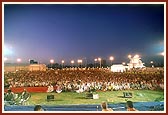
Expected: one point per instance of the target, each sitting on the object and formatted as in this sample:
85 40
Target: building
118 68
25 67
37 67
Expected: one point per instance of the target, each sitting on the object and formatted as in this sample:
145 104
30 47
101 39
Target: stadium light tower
111 59
100 61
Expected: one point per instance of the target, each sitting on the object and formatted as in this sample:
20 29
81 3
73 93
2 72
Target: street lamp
63 63
72 62
152 63
111 59
51 62
18 61
95 61
79 61
100 61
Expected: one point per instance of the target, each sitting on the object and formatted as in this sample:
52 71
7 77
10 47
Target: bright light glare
51 61
111 58
18 60
8 50
95 59
99 59
5 59
162 54
72 61
129 56
79 61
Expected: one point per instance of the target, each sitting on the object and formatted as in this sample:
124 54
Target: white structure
37 67
118 68
135 62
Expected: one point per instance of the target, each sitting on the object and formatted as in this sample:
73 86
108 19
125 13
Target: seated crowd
81 80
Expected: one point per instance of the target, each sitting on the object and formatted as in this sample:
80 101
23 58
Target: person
38 108
50 88
9 97
130 107
104 107
24 97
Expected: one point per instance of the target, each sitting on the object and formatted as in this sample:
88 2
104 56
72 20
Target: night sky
44 32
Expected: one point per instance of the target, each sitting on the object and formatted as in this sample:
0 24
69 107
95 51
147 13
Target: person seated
24 97
130 107
50 88
58 89
9 97
104 107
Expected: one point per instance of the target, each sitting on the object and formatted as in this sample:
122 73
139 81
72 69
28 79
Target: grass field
67 98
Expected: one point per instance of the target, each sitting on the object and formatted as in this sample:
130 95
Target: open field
68 98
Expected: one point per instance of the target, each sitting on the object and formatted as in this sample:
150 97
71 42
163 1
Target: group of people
104 107
129 106
85 79
11 98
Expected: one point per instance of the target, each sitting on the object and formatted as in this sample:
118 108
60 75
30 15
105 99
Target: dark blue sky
42 32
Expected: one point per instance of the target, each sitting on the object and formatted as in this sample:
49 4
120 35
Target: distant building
37 67
33 62
26 67
118 68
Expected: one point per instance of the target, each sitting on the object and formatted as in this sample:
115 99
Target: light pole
100 61
72 62
18 61
79 62
95 61
63 63
111 59
152 64
51 62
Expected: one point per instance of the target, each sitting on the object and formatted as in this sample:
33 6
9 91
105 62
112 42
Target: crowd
87 79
